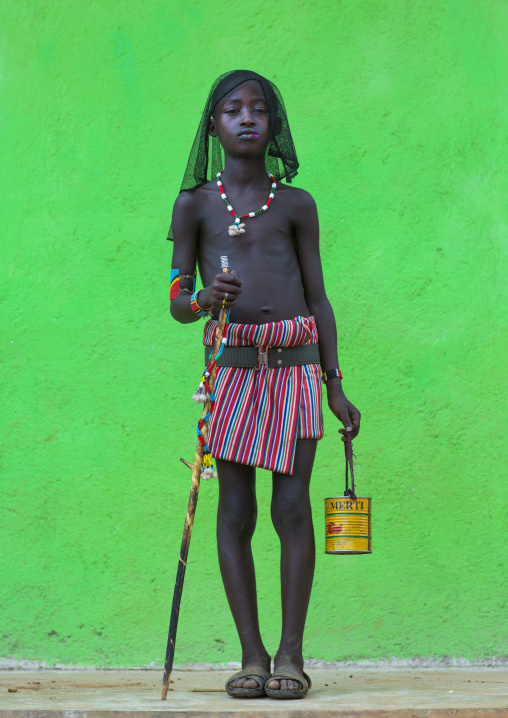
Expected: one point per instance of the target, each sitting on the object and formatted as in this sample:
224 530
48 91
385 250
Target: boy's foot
248 683
288 682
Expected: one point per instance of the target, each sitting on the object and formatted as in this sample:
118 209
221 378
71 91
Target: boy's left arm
306 227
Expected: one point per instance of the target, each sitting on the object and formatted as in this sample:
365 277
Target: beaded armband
196 308
174 286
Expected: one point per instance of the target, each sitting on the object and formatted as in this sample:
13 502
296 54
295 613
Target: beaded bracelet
197 309
331 374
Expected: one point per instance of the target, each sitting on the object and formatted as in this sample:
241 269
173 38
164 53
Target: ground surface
355 692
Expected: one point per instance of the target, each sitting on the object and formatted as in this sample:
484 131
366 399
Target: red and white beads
238 226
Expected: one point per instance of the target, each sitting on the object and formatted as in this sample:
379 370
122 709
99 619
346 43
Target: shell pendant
236 229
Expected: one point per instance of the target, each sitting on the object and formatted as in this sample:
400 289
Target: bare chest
268 239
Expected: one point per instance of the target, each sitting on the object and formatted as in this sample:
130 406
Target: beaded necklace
238 228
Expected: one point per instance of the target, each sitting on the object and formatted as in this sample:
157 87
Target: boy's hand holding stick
193 499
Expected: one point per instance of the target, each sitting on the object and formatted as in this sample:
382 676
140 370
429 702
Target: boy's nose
247 119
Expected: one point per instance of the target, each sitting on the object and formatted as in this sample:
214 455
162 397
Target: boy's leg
292 519
236 521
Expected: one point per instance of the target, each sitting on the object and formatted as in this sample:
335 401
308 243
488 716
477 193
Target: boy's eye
232 110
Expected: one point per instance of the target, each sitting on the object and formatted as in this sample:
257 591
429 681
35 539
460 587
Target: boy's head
264 110
241 121
236 80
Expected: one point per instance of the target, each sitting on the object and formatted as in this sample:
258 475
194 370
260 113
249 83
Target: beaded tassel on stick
200 396
205 392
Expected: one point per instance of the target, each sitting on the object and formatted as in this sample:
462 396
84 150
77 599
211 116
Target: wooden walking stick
191 510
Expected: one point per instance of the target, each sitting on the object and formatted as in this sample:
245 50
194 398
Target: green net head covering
206 158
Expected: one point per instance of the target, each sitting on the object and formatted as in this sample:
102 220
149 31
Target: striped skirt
260 413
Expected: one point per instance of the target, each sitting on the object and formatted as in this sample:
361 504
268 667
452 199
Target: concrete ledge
348 693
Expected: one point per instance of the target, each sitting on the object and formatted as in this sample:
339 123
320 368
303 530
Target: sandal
258 674
292 674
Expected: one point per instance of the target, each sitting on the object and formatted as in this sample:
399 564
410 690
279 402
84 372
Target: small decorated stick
191 509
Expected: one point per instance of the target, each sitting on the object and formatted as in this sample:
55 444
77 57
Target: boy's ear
212 127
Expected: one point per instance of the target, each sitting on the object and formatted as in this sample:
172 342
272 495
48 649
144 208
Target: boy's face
240 121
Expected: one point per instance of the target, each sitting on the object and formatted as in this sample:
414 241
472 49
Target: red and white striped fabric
260 413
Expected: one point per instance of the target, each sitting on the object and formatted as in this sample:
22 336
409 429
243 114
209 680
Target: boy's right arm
186 224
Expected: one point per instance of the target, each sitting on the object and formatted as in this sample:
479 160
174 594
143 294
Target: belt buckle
262 357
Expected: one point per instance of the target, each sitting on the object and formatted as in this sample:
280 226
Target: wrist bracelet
204 309
331 374
197 309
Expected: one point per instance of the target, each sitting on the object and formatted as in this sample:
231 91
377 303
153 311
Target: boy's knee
237 519
291 512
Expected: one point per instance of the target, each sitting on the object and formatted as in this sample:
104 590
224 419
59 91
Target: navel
266 310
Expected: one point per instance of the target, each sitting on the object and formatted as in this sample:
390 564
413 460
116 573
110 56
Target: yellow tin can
348 525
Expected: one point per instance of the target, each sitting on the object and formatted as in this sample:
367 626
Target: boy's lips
247 133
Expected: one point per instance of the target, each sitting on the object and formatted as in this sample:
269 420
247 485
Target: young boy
268 395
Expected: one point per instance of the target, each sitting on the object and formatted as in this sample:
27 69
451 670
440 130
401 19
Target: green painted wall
399 112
